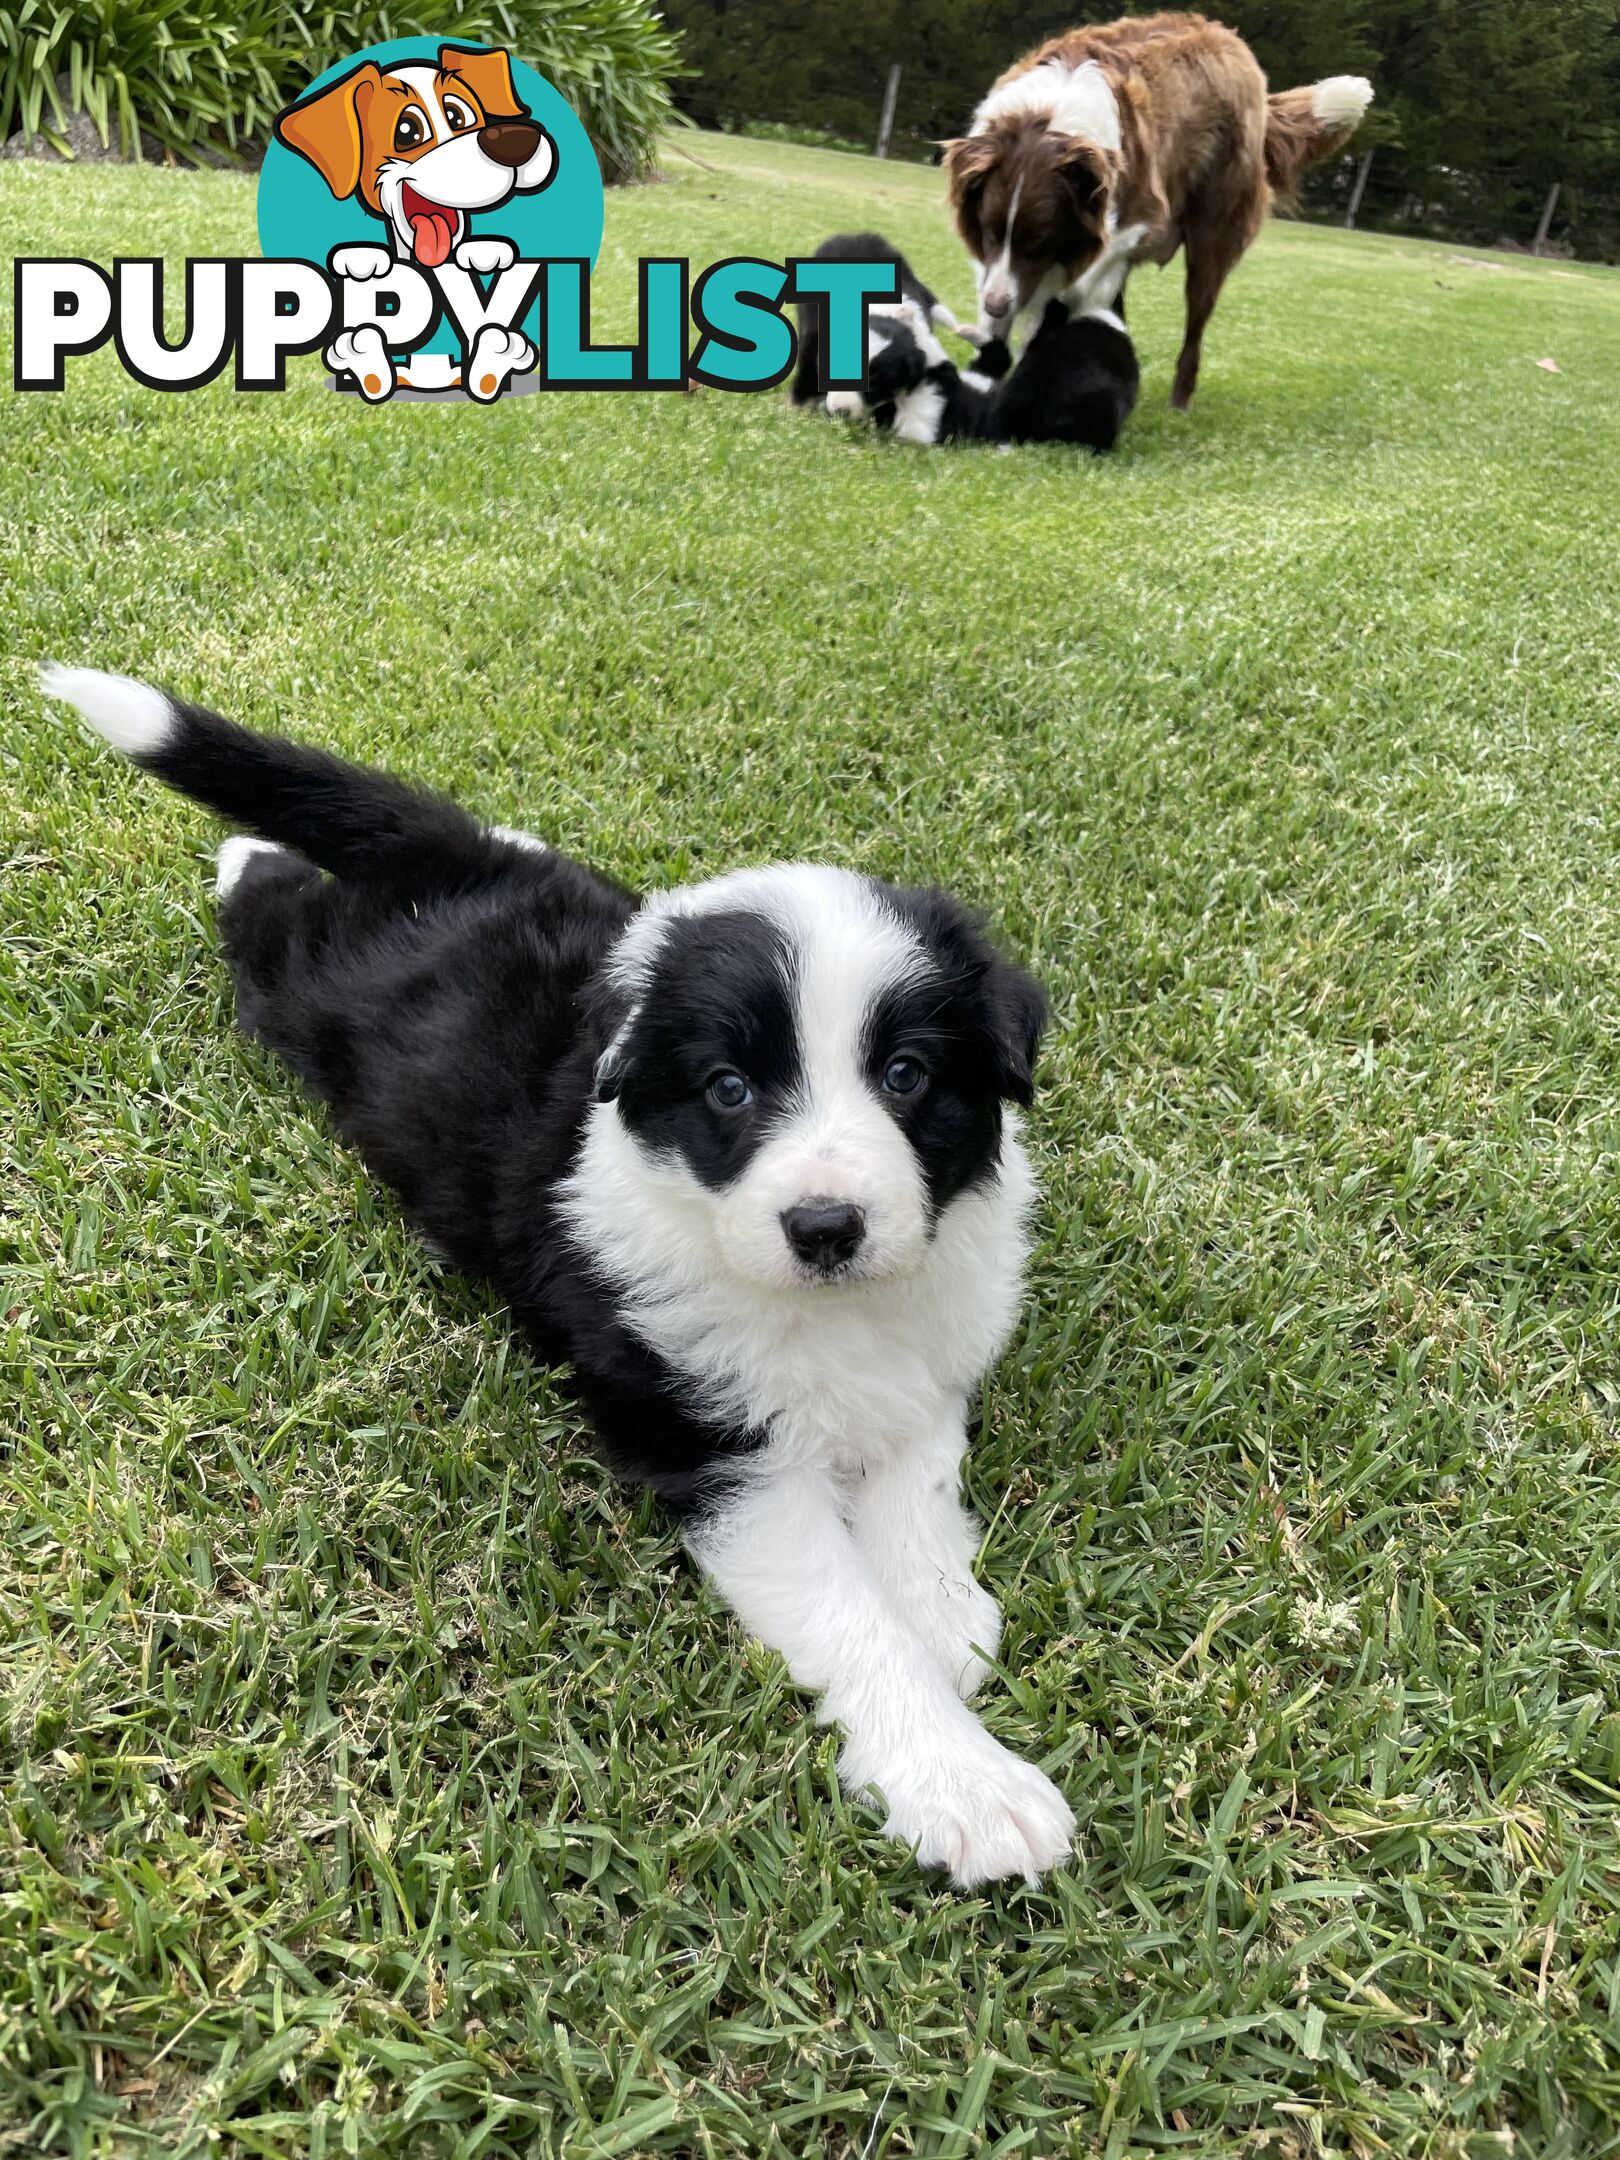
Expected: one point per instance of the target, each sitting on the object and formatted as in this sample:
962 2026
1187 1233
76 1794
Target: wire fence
1479 209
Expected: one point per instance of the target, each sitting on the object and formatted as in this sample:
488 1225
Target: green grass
379 1780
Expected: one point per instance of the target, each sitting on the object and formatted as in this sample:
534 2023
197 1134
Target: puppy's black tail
355 823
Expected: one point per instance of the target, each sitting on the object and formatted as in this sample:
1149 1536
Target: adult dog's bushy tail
355 823
1306 125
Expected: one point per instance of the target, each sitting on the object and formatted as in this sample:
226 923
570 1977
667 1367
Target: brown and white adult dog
1119 144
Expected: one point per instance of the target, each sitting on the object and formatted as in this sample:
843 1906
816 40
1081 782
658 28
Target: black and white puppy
809 385
743 1152
1076 381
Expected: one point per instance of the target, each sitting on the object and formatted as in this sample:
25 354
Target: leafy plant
205 78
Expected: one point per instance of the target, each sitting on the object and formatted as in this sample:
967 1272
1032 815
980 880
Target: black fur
1076 381
722 1002
809 378
975 1022
443 991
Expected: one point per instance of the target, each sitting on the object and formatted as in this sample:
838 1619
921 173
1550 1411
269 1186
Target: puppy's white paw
361 261
362 354
846 405
485 255
496 355
959 1621
970 1807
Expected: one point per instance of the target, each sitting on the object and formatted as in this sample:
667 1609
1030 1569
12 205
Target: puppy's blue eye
903 1076
729 1091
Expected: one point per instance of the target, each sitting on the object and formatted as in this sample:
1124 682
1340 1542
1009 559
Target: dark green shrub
201 77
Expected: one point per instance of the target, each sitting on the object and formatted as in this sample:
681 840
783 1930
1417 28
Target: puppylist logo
430 214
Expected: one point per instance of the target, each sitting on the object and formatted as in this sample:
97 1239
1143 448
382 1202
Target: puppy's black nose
509 142
824 1233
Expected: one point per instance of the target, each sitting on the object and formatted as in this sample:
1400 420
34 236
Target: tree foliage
1482 104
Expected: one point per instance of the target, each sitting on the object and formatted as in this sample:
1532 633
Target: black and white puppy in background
809 385
743 1152
1076 381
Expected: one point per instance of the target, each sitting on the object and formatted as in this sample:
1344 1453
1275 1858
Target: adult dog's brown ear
488 75
1088 172
326 128
968 162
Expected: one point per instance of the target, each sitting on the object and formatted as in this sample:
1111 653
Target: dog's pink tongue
432 231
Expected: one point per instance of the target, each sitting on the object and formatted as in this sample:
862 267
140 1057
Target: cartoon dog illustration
423 148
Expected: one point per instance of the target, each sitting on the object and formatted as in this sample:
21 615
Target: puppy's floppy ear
1017 1015
325 129
488 75
609 1016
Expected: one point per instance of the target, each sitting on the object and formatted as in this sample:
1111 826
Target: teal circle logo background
300 216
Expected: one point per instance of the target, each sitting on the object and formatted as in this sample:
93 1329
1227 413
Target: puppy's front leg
781 1553
920 1542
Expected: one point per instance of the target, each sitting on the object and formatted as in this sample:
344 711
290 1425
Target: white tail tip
234 856
132 716
1340 100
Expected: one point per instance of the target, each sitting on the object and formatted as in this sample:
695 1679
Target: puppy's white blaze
837 1142
1340 100
131 715
234 856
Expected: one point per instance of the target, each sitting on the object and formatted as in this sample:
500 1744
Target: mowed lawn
377 1779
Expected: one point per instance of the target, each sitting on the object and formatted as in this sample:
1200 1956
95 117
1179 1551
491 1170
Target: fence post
886 124
1356 192
1547 209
